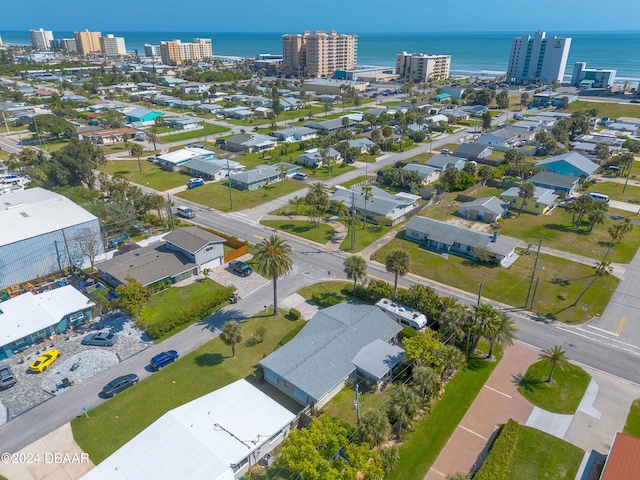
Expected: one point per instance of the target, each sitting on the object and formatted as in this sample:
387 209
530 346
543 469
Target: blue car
163 359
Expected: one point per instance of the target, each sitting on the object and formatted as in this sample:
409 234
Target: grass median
151 175
208 368
303 228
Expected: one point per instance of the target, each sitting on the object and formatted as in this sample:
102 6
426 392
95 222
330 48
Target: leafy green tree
456 325
555 357
74 164
526 191
112 119
597 215
48 123
422 347
273 259
502 99
486 120
318 199
403 406
499 329
297 201
448 360
375 427
619 230
154 139
602 152
524 99
427 381
133 295
230 334
356 268
398 263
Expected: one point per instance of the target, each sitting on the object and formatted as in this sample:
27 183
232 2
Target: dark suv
240 267
114 387
163 359
7 378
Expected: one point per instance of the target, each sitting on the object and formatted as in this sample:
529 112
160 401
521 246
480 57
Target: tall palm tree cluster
317 198
594 210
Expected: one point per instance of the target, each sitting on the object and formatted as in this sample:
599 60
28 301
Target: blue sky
345 16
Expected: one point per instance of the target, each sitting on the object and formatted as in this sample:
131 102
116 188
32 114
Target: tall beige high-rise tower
318 54
176 52
88 42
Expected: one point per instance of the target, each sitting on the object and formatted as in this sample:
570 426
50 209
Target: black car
7 378
101 339
350 160
240 267
114 387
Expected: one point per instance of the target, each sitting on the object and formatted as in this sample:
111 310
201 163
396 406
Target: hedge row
190 313
496 465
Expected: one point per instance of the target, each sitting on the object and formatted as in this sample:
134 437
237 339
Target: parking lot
77 363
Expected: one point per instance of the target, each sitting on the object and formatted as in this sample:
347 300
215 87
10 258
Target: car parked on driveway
43 362
163 359
240 268
116 386
101 339
7 378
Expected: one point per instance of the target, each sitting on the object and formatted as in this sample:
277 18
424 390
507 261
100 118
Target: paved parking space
244 285
35 388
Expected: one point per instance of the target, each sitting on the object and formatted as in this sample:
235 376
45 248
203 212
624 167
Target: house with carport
485 209
473 151
313 158
542 202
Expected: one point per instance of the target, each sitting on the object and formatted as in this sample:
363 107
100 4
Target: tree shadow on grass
561 282
568 228
529 382
209 359
476 362
122 172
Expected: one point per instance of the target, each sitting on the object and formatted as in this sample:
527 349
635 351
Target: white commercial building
41 39
584 77
538 58
422 67
113 46
151 50
215 437
42 232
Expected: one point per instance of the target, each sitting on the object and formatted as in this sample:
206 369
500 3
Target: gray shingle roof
203 166
321 355
492 204
192 239
467 150
554 179
441 161
423 170
378 358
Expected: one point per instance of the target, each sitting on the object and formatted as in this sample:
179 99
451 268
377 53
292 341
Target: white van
599 196
186 212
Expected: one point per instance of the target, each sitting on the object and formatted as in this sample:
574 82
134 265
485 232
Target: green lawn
429 436
560 235
540 456
169 302
614 190
364 238
216 195
200 133
451 146
115 148
422 158
561 281
487 192
151 175
611 110
356 180
316 233
632 425
336 289
322 173
341 405
562 395
444 209
210 367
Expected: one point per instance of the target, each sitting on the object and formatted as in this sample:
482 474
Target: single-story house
491 139
557 182
111 136
485 209
294 134
331 126
572 164
472 151
427 174
183 123
174 160
623 460
169 81
182 253
212 168
542 201
589 150
475 110
250 143
193 87
218 436
143 115
313 157
595 138
395 208
456 113
448 238
445 162
262 175
512 134
262 111
30 317
363 144
314 365
290 103
442 97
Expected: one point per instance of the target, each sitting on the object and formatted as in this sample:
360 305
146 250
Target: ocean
477 54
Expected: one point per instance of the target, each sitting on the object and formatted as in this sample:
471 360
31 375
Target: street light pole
229 181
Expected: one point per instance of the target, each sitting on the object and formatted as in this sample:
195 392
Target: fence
241 248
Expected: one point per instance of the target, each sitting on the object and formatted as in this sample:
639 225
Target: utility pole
358 409
229 181
535 289
480 294
628 174
170 211
353 220
4 120
535 265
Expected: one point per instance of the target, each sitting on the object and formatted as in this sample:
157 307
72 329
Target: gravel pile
86 363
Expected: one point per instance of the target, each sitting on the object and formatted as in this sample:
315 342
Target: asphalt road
9 145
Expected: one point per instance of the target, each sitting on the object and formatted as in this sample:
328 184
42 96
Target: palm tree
356 268
427 381
375 427
125 139
340 208
403 405
273 258
454 324
398 263
154 139
230 334
500 330
316 198
367 193
137 151
526 190
556 358
596 217
449 360
297 201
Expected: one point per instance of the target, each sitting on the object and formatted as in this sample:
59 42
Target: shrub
325 300
294 314
496 465
407 332
190 313
374 291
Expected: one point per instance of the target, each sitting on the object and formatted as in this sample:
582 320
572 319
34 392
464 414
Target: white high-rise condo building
41 39
538 58
318 54
113 46
422 68
151 50
584 77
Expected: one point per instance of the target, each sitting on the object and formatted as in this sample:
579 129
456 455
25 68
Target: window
456 245
208 249
271 375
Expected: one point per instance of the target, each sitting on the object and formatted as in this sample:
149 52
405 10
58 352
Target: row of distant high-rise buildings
84 43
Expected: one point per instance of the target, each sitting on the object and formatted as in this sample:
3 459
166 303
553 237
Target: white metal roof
201 439
36 211
184 154
28 313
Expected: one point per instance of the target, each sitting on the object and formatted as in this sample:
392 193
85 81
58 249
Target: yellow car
43 361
